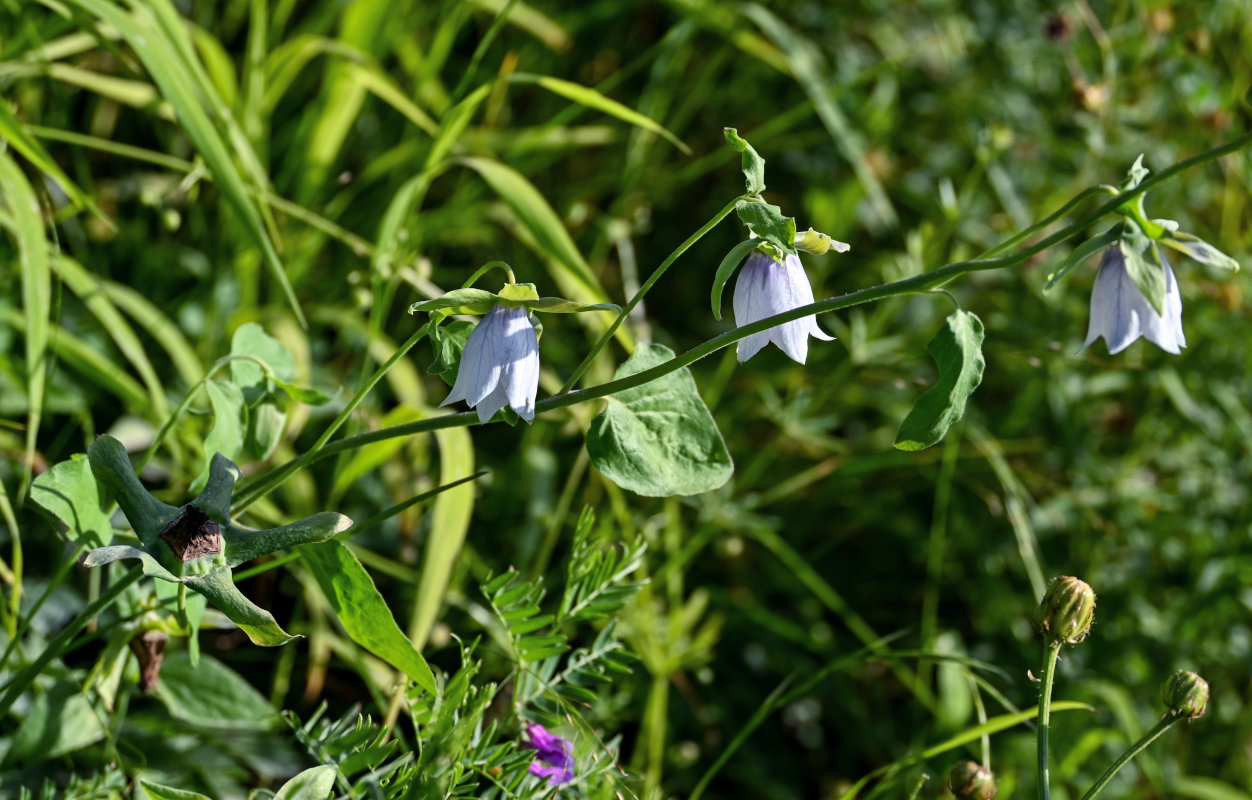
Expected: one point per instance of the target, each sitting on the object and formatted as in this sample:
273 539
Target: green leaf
451 517
753 164
70 492
253 620
957 350
769 224
362 610
159 791
584 95
59 721
212 695
303 394
658 439
36 281
727 268
1081 253
1143 264
315 783
15 133
250 339
229 422
1197 249
266 423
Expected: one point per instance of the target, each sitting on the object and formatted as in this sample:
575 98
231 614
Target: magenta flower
554 759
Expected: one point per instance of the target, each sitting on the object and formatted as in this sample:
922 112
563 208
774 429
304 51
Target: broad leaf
659 439
362 610
768 223
71 493
266 423
251 340
315 783
753 164
159 791
212 695
229 420
957 350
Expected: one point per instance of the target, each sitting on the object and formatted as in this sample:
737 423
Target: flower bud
1066 611
1186 694
970 780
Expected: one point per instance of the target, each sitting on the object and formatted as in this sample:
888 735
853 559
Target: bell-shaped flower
766 287
1121 314
500 365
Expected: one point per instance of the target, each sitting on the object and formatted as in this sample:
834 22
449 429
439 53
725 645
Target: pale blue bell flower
1121 314
500 365
766 287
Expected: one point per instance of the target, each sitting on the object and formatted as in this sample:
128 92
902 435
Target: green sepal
1143 264
1081 253
517 295
208 573
727 268
1197 249
819 244
253 620
753 164
448 342
769 224
111 465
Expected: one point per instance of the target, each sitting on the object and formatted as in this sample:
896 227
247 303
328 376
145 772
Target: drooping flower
766 287
554 758
500 365
1121 314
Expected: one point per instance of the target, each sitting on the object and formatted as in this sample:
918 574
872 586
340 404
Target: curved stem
911 285
652 279
1165 723
1045 713
254 490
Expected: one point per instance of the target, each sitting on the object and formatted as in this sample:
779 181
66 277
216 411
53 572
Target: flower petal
520 376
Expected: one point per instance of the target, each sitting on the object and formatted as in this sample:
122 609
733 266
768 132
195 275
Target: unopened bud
1066 611
970 780
1186 695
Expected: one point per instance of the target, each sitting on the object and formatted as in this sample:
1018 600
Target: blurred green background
922 133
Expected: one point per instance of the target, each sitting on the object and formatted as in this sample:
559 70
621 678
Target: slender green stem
254 490
1165 723
1045 714
58 645
912 285
15 590
647 285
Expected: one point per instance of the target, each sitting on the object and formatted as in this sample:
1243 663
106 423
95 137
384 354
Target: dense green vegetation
183 181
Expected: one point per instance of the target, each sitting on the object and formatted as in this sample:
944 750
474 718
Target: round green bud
970 780
1186 695
1066 611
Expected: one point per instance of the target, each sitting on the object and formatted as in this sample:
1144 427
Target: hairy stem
1165 723
1045 713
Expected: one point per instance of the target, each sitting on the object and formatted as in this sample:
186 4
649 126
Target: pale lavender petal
1121 314
479 372
520 379
765 288
489 405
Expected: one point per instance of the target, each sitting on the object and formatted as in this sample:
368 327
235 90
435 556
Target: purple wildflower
553 757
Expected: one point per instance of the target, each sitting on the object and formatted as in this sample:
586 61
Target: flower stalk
1052 651
1163 724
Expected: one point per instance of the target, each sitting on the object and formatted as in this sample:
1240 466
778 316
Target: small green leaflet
448 342
753 164
768 223
1143 264
480 301
251 340
659 439
70 492
957 350
727 268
